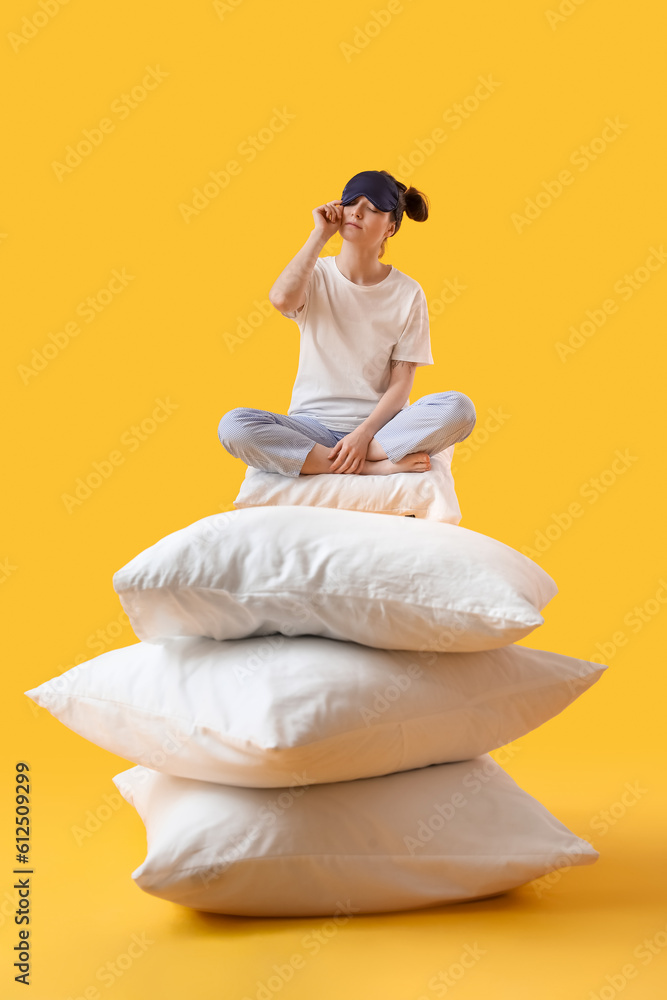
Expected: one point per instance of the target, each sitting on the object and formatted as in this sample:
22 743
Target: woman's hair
414 203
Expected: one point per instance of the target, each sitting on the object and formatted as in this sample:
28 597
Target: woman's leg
271 441
431 424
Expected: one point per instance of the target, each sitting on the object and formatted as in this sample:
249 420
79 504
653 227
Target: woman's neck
361 265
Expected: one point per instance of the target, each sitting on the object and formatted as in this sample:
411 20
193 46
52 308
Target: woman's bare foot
418 461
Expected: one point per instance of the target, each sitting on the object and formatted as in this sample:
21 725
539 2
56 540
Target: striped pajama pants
276 442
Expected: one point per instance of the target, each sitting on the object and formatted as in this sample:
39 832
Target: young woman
363 331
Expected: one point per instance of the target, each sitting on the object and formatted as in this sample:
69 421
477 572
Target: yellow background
360 99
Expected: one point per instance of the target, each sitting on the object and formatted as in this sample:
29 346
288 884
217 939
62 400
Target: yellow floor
569 935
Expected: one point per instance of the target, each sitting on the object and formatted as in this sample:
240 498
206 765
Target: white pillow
439 834
260 712
430 495
386 582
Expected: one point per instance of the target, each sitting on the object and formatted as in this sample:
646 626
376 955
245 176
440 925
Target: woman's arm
288 290
397 394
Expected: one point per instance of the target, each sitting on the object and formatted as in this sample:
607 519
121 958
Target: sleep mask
381 190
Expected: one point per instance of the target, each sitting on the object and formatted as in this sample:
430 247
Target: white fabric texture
258 712
419 838
386 582
348 335
429 495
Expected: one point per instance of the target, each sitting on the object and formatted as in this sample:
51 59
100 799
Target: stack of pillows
311 709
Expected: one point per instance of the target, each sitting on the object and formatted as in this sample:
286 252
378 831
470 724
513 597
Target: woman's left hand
350 452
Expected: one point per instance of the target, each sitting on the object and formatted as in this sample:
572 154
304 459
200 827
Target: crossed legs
299 445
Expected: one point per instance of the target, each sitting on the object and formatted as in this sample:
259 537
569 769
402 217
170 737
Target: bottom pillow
438 834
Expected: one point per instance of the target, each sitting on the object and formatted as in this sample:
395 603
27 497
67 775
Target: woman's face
363 223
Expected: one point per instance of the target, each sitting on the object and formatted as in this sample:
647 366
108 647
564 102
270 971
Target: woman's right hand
327 218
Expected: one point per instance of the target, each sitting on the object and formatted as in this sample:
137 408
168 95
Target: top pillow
429 495
386 582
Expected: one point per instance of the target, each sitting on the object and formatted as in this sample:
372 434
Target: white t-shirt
349 334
